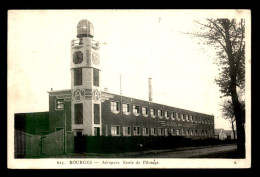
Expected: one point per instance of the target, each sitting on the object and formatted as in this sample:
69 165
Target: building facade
86 110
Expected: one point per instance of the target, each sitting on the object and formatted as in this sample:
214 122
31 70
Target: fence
35 146
26 145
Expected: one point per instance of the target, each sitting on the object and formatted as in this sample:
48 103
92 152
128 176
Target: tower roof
85 29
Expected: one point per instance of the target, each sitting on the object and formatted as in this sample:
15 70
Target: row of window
136 130
115 108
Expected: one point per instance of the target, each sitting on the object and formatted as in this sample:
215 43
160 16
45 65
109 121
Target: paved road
206 152
220 151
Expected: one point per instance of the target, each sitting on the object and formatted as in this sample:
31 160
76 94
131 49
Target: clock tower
85 82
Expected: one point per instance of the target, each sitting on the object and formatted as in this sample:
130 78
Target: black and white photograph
129 89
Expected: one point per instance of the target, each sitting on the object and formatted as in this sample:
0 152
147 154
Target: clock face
77 57
77 94
95 58
96 95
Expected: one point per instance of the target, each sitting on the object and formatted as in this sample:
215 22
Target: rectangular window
96 114
172 131
167 114
136 131
188 132
59 104
114 106
115 130
182 117
153 112
177 116
153 131
145 111
136 110
78 112
126 131
126 108
160 131
187 118
166 132
145 131
177 132
191 132
77 76
191 118
160 113
173 116
96 77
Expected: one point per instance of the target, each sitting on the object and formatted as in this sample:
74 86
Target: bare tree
227 36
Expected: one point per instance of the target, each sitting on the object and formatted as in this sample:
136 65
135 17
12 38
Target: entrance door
97 131
80 144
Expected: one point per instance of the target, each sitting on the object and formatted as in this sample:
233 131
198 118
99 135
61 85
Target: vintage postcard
129 89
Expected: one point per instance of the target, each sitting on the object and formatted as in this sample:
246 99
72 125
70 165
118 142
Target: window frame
153 131
96 76
116 130
154 112
187 117
145 133
166 114
78 82
146 112
56 104
160 131
127 107
134 108
160 115
135 132
114 110
126 132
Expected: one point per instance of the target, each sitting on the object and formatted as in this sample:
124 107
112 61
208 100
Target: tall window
177 116
153 114
136 110
173 116
115 130
191 118
172 131
166 131
145 111
136 131
160 131
126 108
187 118
145 131
167 114
78 111
96 114
160 113
126 131
59 104
182 117
177 132
114 106
77 76
153 131
96 77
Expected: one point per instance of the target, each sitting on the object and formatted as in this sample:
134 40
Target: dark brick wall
57 117
109 118
36 123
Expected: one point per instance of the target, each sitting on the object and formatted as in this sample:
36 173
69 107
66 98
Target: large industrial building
85 109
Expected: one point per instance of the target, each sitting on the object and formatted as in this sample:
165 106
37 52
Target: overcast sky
139 44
